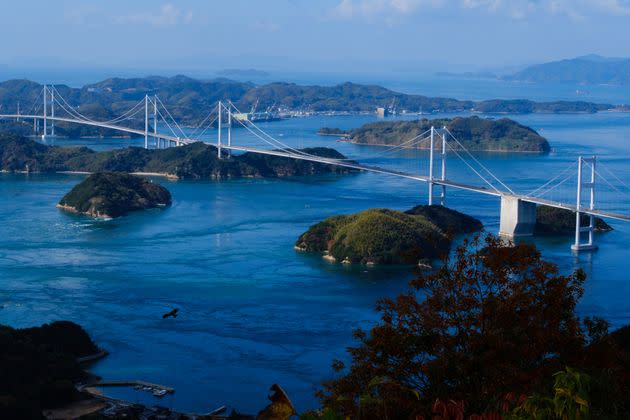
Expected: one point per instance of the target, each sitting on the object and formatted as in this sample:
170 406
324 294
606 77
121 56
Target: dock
168 390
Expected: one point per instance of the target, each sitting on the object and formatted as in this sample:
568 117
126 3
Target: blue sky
352 36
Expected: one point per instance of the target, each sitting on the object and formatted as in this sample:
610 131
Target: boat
159 393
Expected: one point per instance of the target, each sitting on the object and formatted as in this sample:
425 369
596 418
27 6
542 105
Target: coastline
159 174
341 140
71 209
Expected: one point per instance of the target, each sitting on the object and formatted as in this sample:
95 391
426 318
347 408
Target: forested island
193 161
474 133
383 236
113 194
552 221
190 100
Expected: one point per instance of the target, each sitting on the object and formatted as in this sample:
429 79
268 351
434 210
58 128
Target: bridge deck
343 163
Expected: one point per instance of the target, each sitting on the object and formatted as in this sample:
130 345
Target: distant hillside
474 133
591 69
190 100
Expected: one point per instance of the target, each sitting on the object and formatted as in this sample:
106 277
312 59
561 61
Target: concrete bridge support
518 217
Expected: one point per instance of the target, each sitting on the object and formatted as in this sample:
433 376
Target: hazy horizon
364 38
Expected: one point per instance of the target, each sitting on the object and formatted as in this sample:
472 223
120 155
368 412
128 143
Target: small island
383 236
111 194
552 221
474 133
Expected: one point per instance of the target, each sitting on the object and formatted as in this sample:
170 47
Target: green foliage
555 221
570 400
473 132
448 220
383 236
113 194
388 237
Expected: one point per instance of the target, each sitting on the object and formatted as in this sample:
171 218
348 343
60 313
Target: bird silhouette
172 313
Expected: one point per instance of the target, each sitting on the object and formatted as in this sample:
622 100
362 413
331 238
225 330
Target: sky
201 37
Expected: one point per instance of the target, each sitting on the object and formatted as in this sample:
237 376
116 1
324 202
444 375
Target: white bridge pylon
150 112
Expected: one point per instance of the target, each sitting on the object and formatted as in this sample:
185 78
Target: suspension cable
605 167
171 116
73 112
278 142
479 163
552 180
473 169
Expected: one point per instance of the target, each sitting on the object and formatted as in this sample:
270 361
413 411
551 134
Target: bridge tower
590 187
443 163
146 121
229 127
443 177
431 150
52 112
45 112
155 121
219 110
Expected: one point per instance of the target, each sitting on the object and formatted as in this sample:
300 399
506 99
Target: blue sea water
252 310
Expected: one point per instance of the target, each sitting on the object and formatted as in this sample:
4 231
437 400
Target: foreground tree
495 320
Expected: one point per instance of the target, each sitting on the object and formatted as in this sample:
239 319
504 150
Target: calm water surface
252 310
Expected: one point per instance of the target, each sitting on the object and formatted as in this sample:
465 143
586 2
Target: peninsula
383 236
40 367
113 194
474 133
193 161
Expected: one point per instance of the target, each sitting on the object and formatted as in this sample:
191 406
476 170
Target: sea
252 310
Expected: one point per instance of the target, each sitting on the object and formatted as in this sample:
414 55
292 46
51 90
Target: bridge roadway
342 163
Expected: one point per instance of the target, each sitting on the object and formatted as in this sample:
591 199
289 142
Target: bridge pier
518 217
589 245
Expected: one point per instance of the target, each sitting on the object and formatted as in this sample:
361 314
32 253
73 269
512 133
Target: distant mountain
190 100
589 69
467 75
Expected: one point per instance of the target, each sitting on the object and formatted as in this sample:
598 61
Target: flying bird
172 313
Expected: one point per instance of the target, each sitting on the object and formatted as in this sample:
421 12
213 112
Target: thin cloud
575 10
168 15
347 9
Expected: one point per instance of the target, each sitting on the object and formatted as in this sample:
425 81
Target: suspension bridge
579 188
